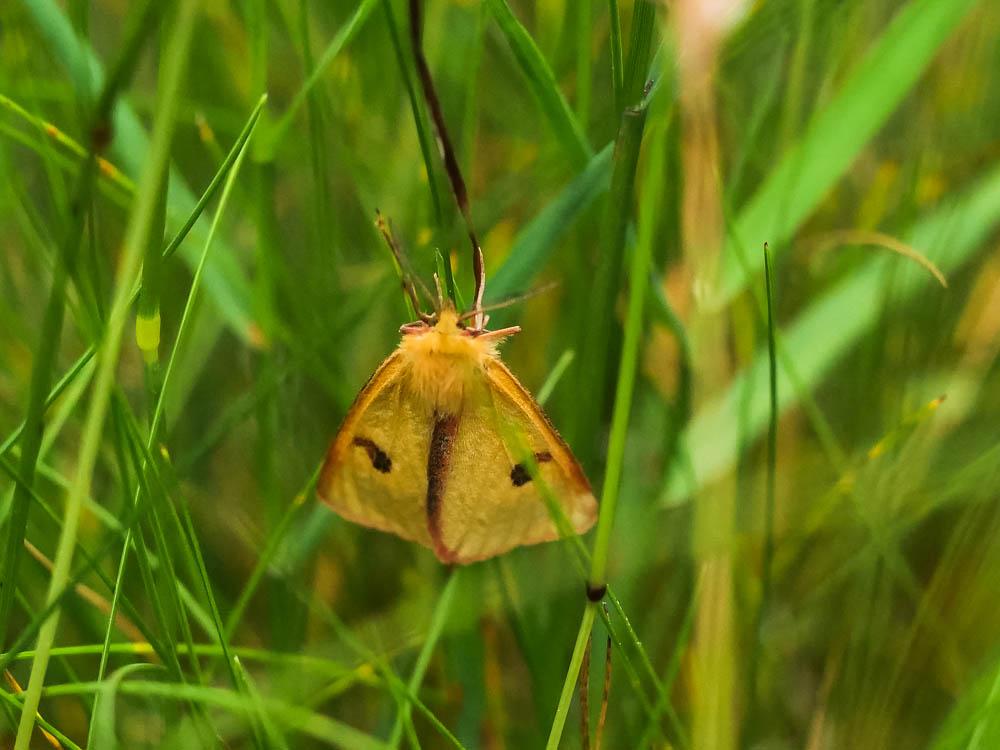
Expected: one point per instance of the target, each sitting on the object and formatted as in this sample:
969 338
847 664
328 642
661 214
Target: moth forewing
373 474
492 502
525 457
575 508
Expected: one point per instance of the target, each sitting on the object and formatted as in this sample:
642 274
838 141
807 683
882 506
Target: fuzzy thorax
445 361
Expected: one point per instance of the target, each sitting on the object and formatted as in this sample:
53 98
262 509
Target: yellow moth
422 452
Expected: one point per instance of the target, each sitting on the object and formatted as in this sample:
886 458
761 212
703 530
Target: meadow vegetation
799 471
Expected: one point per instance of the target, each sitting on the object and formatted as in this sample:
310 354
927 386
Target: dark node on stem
101 135
596 592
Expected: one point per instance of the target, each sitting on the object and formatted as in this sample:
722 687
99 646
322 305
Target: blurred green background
834 588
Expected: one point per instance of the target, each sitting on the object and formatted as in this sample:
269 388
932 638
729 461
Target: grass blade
536 242
824 332
543 85
175 58
772 461
837 135
224 277
347 32
438 619
639 273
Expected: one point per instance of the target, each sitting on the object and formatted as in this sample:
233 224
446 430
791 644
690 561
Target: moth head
447 322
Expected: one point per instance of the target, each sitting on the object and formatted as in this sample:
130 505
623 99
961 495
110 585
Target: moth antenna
501 333
585 697
402 264
448 156
510 301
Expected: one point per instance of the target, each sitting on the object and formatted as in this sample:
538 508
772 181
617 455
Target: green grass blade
767 562
13 704
555 375
65 263
569 686
639 273
424 138
824 332
617 67
597 345
271 548
837 135
301 720
639 51
217 180
543 85
347 32
266 733
537 241
224 277
583 26
188 532
438 619
103 732
175 58
17 521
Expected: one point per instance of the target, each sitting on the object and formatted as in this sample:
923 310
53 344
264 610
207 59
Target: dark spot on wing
519 474
379 458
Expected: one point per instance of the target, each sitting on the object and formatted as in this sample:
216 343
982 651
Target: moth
443 445
423 452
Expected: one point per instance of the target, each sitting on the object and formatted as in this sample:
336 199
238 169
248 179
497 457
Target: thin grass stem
175 59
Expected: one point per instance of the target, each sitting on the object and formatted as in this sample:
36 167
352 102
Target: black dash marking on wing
519 475
379 458
438 460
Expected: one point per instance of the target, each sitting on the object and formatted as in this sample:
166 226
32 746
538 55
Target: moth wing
375 472
491 506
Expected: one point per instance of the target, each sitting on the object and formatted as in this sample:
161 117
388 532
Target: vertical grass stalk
438 620
638 282
175 59
44 362
772 462
584 14
617 74
596 344
419 118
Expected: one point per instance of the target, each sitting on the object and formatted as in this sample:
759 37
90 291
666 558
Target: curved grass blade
543 85
825 331
537 241
297 718
347 32
225 279
837 135
174 61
